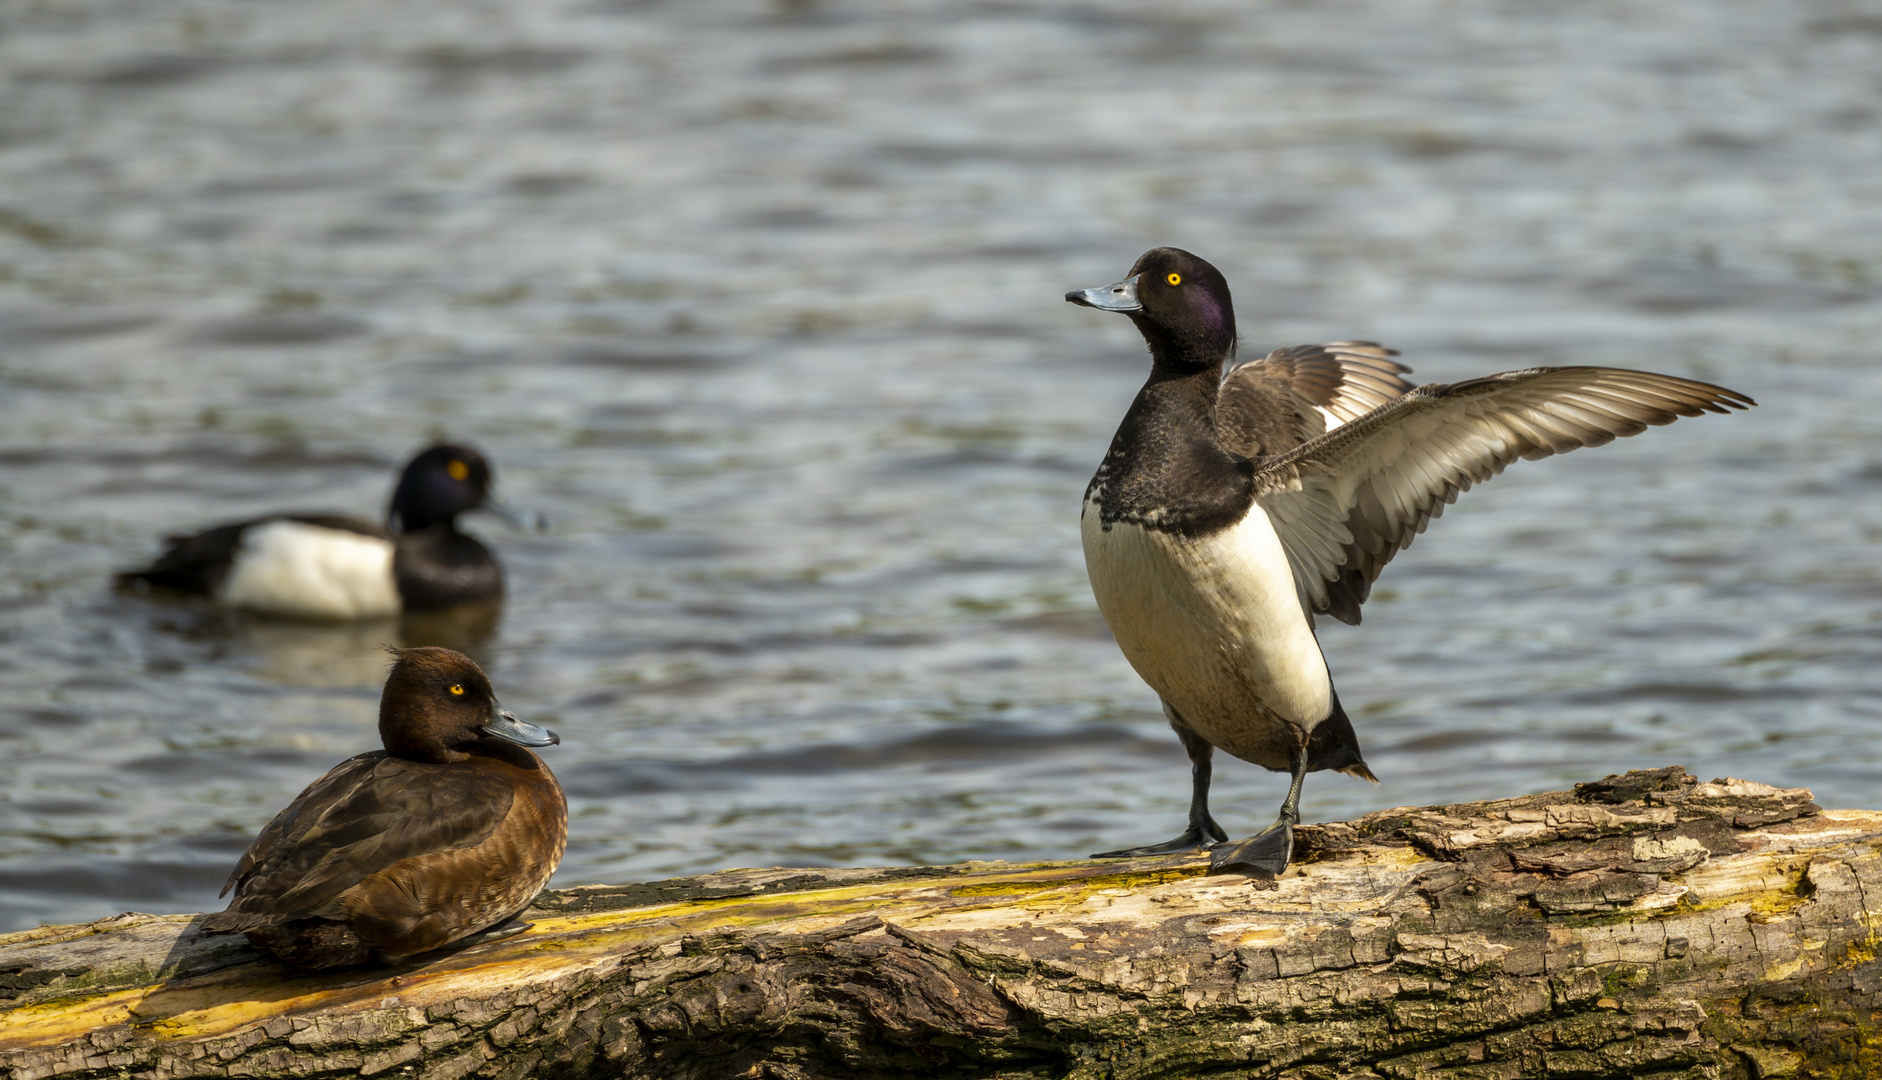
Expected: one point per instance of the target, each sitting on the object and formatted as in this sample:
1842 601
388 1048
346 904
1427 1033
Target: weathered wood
1645 925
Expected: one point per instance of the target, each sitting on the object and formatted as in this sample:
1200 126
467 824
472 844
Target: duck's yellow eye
457 689
461 471
1174 279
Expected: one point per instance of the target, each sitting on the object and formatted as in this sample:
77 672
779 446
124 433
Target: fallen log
1642 925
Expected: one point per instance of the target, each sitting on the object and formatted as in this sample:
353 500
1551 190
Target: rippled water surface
760 306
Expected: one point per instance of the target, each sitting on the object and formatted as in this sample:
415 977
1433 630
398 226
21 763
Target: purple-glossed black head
1180 304
440 483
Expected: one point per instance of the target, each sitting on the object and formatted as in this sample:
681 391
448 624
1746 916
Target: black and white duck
332 566
1231 509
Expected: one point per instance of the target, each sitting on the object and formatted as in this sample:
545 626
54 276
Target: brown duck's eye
461 471
1174 279
457 689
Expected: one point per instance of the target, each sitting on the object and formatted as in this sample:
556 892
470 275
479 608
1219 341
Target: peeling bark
1642 926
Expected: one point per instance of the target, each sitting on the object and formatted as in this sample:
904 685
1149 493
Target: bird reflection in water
293 652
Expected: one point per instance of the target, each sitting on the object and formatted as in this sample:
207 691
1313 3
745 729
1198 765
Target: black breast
440 567
1167 471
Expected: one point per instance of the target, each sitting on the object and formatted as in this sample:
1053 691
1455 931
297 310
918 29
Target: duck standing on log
449 831
329 566
1230 510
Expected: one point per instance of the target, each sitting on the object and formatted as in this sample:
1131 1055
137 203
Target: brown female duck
450 830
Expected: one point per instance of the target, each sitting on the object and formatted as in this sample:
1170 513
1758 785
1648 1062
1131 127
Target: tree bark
1643 925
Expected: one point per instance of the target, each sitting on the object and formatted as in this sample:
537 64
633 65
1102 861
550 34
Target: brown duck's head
438 702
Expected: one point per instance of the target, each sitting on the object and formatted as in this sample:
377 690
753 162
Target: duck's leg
1202 827
1266 853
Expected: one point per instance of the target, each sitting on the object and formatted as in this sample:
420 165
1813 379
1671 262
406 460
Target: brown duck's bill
1118 296
504 725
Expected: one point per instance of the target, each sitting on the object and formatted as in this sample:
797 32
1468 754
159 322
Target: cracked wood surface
1643 925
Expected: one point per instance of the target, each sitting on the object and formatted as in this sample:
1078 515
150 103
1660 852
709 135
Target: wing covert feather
1270 405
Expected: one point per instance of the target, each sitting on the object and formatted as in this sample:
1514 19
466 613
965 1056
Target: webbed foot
1264 854
1192 840
502 930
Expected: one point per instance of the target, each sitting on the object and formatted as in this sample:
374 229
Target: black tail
185 579
161 577
196 563
1333 745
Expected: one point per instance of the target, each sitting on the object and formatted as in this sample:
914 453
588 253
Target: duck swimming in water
329 566
450 830
1229 511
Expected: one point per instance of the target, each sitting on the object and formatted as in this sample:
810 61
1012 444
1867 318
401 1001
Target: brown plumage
450 830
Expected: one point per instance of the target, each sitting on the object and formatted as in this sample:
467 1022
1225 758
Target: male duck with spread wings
1232 509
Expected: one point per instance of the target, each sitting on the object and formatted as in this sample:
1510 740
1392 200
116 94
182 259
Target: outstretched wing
365 815
1271 405
1345 503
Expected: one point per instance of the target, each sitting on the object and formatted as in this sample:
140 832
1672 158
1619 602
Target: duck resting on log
448 832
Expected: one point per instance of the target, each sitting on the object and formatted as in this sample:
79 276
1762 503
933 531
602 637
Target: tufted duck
450 830
327 566
1227 513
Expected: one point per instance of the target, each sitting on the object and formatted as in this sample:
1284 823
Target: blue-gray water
760 305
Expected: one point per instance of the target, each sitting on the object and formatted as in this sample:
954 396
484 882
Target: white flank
1215 626
292 568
